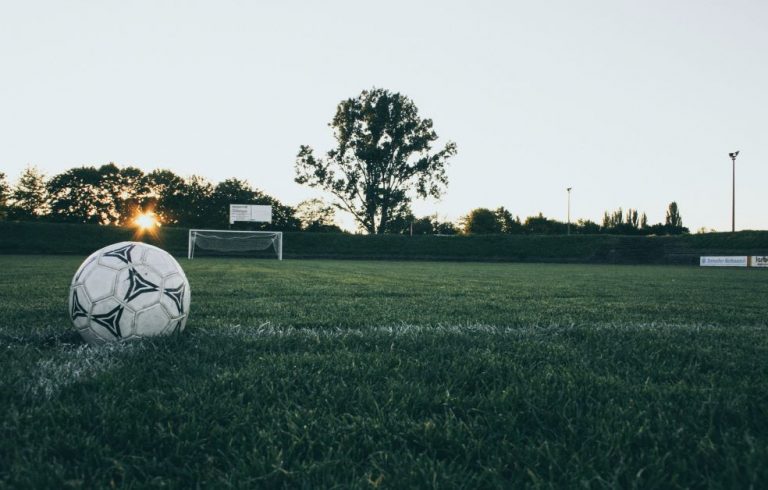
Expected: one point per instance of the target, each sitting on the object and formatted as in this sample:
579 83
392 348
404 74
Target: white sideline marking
271 330
73 364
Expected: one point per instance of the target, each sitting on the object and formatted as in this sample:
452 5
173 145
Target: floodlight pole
733 191
569 209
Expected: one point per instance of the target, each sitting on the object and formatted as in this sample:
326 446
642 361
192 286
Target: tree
587 227
382 156
507 222
422 226
633 219
29 198
73 195
541 225
107 195
673 222
612 220
195 199
122 193
481 221
673 218
5 191
317 215
444 228
165 195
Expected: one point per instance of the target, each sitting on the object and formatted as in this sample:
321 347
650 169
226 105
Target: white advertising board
723 261
250 212
758 261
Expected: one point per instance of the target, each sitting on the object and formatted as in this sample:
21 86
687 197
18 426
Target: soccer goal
231 242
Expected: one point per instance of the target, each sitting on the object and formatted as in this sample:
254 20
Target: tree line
111 195
383 159
618 222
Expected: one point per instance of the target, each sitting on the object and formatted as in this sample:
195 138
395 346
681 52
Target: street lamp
733 202
569 209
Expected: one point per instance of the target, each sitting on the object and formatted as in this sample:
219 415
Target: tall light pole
733 202
569 209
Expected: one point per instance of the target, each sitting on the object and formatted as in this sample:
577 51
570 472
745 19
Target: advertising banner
758 261
724 261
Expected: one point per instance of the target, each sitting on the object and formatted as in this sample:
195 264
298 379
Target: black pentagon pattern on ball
138 285
111 320
122 253
177 295
77 309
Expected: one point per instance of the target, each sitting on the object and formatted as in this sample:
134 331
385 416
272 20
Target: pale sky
631 103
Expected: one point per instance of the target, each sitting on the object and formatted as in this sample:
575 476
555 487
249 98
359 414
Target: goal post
234 242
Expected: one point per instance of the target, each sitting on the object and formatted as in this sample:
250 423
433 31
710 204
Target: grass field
322 374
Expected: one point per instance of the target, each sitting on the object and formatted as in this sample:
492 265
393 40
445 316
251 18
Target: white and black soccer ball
128 290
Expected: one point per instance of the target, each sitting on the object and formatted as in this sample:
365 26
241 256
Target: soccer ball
128 290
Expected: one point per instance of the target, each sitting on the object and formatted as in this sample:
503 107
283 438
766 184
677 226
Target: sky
633 104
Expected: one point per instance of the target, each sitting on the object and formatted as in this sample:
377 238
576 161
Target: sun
146 221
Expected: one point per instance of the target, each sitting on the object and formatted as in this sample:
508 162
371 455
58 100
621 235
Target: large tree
383 156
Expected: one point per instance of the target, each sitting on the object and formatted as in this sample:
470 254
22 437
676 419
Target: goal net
241 243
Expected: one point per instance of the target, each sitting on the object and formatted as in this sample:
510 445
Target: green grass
323 374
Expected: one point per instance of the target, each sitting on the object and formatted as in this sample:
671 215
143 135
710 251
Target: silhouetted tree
507 222
165 196
633 219
481 221
196 202
444 228
122 193
5 191
382 156
400 220
673 218
29 198
673 222
541 225
586 227
74 195
108 195
422 226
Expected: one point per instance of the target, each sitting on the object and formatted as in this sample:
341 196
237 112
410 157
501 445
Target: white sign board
250 212
758 261
723 261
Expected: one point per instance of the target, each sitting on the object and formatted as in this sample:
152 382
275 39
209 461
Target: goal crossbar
234 241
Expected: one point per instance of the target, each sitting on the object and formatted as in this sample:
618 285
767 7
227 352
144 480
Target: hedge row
59 238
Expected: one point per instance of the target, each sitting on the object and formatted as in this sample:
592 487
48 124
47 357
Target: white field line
406 330
75 363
